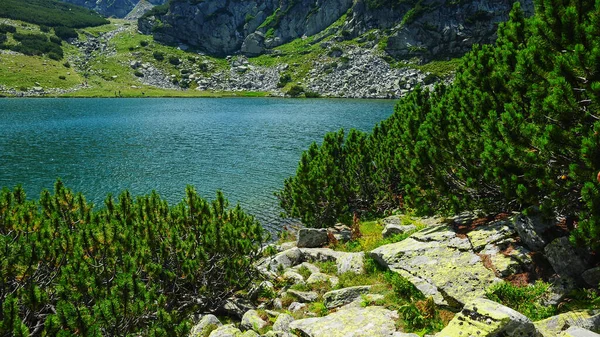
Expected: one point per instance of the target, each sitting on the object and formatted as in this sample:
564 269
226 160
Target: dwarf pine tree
518 128
135 267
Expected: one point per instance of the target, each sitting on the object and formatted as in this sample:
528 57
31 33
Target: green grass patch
25 71
524 299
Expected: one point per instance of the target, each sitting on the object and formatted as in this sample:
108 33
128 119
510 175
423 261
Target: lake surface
245 147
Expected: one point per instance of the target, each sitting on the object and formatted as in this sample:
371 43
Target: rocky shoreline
453 262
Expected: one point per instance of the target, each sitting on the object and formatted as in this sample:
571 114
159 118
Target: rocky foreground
452 262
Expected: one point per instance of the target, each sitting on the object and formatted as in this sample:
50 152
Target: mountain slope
425 29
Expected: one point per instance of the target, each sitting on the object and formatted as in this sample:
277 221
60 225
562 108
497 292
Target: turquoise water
245 147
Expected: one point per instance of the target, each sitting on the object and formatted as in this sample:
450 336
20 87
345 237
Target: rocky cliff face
425 29
116 8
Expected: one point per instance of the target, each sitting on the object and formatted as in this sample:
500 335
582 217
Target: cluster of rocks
153 76
362 73
451 260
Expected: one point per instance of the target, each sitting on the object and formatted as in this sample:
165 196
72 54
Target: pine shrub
135 267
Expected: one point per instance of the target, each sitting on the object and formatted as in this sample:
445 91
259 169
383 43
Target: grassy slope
299 54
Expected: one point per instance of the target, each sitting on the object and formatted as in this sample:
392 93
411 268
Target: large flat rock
485 318
440 264
351 322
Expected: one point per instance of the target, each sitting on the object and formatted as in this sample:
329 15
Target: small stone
252 321
304 296
296 306
283 323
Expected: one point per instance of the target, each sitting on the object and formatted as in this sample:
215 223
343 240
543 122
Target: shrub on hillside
135 267
4 28
36 44
174 60
295 91
65 33
159 56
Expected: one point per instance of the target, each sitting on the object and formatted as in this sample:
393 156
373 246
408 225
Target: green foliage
524 299
295 91
4 28
284 79
65 33
50 13
36 44
159 56
174 60
135 267
518 128
157 10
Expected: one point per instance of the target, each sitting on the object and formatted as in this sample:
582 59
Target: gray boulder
344 296
237 306
564 258
312 238
485 318
350 262
228 330
393 229
351 322
207 323
283 260
578 332
296 306
585 319
531 230
304 296
252 321
283 322
254 44
592 276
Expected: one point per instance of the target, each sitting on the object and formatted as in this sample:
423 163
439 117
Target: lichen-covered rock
283 322
458 275
485 318
296 306
350 262
252 321
283 260
311 267
316 278
292 276
250 333
312 237
237 306
424 286
319 254
578 332
207 323
586 319
393 229
490 233
228 330
343 296
304 296
278 334
404 334
564 258
352 322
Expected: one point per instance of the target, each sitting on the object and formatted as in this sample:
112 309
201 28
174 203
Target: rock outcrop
351 322
427 30
485 318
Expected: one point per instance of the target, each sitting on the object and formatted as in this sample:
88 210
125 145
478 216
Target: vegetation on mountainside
136 267
518 128
50 13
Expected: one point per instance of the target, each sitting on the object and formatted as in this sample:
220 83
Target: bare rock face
223 28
